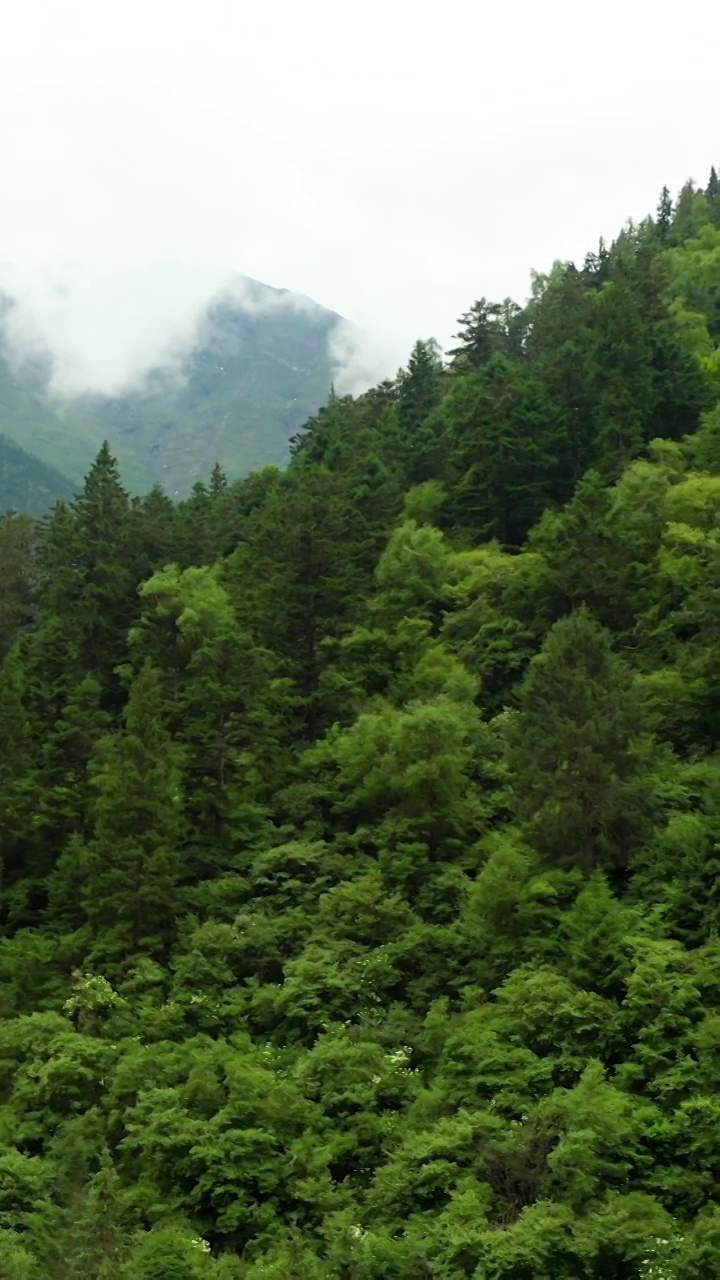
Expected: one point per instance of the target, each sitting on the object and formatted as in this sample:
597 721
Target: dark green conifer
133 863
664 216
420 386
575 748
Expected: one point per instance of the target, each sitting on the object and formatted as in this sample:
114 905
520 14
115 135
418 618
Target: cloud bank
127 208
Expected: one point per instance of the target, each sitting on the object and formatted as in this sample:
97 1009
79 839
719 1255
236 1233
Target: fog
391 171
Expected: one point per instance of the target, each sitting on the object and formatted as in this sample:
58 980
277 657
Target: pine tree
104 566
218 479
17 578
64 802
17 774
562 347
156 532
301 547
218 693
57 571
575 751
597 266
712 193
504 431
664 216
134 861
84 1236
480 336
420 386
576 545
201 534
691 213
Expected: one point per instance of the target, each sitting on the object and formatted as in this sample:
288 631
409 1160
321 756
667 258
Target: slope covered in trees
360 823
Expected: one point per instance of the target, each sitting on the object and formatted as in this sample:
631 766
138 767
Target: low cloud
362 357
126 210
125 214
101 330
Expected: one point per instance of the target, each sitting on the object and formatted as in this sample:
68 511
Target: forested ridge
360 823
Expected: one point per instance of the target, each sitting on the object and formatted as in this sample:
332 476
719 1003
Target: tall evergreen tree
17 774
420 386
17 578
219 695
505 434
691 213
302 547
64 802
132 866
156 535
480 337
664 216
105 582
712 194
575 750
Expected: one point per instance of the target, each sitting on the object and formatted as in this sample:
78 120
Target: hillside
252 381
59 437
259 369
26 483
360 822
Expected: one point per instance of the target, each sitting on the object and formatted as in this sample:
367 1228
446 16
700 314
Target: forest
360 821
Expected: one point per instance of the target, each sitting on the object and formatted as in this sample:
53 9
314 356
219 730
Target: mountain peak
258 367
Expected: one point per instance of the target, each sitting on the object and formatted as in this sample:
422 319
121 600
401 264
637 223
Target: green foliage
576 750
359 823
127 873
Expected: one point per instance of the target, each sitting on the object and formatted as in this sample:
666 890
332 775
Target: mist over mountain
259 363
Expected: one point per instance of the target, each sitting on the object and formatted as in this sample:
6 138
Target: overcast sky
394 161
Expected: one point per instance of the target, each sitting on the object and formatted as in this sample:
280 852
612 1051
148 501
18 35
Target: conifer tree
218 691
664 215
56 567
17 578
156 532
301 547
218 479
17 772
480 336
64 802
575 750
504 431
691 213
712 193
420 386
133 863
104 565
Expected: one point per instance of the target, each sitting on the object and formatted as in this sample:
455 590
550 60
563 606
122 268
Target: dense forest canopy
360 822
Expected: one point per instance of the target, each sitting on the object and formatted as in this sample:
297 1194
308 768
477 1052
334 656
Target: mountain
260 366
60 437
26 483
260 369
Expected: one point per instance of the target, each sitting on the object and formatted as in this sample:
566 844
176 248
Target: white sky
394 161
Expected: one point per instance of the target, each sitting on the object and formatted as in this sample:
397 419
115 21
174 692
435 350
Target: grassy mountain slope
26 483
63 439
260 368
